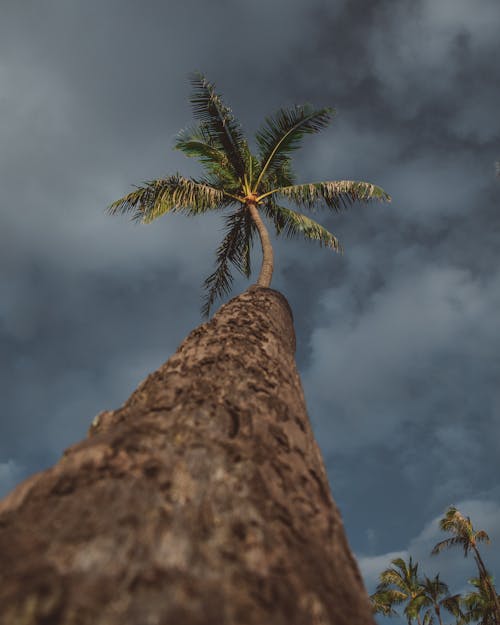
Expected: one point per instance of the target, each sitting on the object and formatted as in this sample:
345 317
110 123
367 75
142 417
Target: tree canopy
245 185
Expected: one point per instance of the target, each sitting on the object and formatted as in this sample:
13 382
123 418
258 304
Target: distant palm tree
478 604
466 537
398 584
233 176
434 596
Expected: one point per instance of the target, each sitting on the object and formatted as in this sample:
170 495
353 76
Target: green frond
337 195
282 176
234 249
293 224
382 603
417 603
445 544
390 576
428 618
171 194
282 133
219 123
452 605
196 143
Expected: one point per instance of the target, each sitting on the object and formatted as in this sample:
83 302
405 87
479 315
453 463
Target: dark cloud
396 339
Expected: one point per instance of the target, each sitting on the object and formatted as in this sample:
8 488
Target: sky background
397 339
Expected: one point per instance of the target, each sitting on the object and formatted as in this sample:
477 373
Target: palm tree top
245 185
464 534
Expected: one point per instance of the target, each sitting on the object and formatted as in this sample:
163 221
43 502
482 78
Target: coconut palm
398 584
465 536
249 186
479 604
433 597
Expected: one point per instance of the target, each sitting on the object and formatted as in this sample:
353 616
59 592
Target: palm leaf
281 176
482 536
234 249
283 133
172 194
452 605
195 142
218 122
444 544
336 195
382 602
293 224
390 576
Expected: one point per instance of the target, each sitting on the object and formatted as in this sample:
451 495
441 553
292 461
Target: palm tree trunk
437 610
266 271
483 574
203 500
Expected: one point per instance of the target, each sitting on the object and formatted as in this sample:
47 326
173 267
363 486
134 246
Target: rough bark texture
203 500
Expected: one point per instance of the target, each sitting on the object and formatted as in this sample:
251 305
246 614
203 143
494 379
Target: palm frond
482 537
234 249
293 224
282 133
390 576
218 122
382 603
172 194
281 176
452 605
337 195
444 544
195 142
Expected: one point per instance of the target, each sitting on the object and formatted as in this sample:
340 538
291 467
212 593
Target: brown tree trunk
267 267
203 500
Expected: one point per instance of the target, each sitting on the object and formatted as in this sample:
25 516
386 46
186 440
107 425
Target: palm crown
248 185
398 584
464 534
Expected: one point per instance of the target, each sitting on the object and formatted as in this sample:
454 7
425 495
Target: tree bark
203 500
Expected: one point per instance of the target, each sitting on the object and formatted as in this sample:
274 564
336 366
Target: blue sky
397 338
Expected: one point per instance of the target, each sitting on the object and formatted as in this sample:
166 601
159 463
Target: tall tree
204 499
399 584
247 185
465 536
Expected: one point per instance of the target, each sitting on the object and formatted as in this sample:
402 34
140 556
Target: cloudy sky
397 339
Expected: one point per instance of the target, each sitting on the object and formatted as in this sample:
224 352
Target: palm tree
466 537
479 604
435 596
204 497
398 584
250 186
